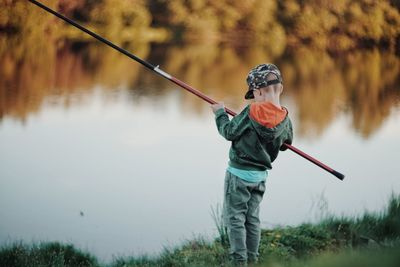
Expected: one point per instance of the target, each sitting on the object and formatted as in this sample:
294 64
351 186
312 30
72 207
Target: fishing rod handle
337 174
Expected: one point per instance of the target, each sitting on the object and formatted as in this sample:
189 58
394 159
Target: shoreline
367 239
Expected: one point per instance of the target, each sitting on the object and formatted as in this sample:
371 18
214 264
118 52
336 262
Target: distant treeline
330 25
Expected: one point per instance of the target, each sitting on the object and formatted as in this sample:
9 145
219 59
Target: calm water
96 151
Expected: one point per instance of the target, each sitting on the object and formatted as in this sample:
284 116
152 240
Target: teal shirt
249 176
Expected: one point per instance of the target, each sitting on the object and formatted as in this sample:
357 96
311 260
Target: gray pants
241 217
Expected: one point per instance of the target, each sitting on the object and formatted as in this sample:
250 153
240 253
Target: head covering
257 78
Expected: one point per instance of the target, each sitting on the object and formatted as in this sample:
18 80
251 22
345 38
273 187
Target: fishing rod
178 82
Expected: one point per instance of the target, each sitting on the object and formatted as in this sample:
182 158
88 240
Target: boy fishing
257 135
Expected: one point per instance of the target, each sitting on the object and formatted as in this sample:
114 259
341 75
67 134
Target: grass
372 239
45 254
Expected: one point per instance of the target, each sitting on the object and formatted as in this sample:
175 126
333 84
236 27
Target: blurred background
98 151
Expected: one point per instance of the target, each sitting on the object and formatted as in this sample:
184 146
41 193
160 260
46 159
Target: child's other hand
217 106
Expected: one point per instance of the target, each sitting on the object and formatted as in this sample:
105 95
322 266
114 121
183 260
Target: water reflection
96 133
363 84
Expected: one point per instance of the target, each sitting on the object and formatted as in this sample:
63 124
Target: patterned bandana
257 78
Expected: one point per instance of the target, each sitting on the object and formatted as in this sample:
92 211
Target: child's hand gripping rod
176 81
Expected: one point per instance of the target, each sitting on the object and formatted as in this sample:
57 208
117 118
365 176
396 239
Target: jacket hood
270 133
268 120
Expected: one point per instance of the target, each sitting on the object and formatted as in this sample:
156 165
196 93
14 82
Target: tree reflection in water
362 84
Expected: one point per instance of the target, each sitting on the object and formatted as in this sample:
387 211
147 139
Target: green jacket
254 146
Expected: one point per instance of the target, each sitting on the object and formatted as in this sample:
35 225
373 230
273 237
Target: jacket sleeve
231 129
289 136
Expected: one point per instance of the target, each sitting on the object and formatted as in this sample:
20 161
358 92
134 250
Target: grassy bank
372 239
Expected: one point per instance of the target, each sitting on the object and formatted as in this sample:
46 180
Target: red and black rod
176 81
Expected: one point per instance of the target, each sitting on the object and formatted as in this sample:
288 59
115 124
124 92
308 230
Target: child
257 135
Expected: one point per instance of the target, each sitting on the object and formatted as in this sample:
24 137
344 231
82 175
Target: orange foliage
41 57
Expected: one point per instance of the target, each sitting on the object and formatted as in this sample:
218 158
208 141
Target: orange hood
267 114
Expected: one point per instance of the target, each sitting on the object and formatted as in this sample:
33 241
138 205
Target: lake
98 151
